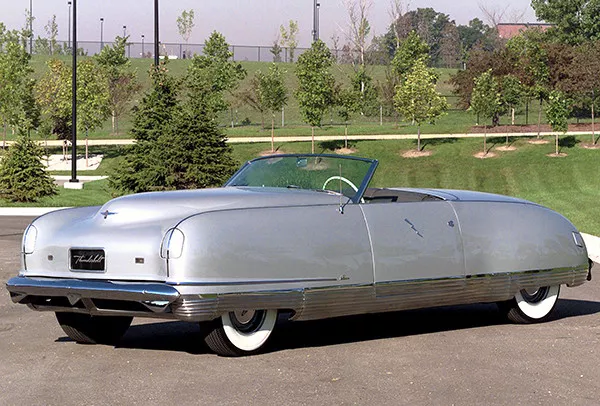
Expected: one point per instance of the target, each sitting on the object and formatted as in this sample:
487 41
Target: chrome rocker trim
165 301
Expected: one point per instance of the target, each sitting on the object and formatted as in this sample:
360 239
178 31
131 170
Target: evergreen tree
139 172
23 177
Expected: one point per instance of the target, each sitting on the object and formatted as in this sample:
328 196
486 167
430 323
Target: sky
243 22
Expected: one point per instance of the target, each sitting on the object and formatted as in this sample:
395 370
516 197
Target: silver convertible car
296 236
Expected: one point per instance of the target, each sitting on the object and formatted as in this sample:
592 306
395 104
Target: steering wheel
347 181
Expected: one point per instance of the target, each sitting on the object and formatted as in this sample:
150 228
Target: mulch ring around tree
415 154
506 148
345 151
483 155
559 155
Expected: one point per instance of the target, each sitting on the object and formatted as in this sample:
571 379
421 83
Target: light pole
101 33
74 101
124 31
31 27
156 33
317 26
143 56
69 26
314 30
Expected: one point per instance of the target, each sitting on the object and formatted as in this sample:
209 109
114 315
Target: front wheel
86 329
531 305
241 332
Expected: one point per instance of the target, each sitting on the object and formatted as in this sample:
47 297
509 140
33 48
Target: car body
300 235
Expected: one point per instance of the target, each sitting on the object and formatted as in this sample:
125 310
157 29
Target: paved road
454 355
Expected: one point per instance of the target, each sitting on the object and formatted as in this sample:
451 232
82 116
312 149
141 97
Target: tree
575 22
52 30
139 171
476 35
411 50
316 85
557 113
289 37
348 103
276 51
92 96
417 98
358 27
273 95
485 101
15 84
23 177
362 83
251 96
120 77
511 94
185 24
54 96
214 73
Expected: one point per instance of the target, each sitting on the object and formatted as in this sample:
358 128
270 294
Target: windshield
346 175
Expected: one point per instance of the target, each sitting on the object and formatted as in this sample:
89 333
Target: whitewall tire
241 332
532 305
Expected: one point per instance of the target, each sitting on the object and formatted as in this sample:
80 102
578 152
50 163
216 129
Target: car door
413 241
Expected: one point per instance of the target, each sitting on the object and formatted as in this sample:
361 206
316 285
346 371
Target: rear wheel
531 305
241 332
86 329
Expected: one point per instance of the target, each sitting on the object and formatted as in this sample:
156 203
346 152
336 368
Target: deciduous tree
121 79
557 113
316 84
417 98
185 24
273 95
485 101
289 38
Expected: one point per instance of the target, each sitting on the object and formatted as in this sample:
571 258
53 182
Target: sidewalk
318 138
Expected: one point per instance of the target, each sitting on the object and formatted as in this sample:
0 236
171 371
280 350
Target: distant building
509 30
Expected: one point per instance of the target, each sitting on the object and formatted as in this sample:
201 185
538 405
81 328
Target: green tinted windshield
346 175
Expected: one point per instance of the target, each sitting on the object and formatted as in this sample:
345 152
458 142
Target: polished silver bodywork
309 252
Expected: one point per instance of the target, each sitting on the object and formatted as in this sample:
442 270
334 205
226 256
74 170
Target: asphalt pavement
463 355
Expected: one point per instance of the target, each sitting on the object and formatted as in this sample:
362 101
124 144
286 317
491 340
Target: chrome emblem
107 213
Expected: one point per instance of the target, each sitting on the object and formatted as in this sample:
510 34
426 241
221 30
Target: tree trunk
114 119
485 139
4 138
593 126
117 125
556 143
540 118
273 133
312 147
86 148
512 116
346 136
419 137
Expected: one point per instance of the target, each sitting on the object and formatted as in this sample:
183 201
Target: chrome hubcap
244 316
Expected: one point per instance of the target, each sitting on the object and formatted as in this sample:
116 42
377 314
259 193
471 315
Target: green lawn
457 121
570 185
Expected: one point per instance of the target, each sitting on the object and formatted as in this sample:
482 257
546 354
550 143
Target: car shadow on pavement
188 337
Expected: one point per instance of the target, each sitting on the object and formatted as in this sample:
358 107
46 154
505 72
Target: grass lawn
456 121
569 185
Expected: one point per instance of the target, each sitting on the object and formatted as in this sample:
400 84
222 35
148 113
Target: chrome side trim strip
307 304
253 282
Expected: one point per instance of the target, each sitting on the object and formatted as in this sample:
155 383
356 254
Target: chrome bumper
93 296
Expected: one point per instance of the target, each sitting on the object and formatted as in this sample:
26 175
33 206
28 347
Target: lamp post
124 31
143 46
69 26
156 33
314 30
101 33
74 180
31 27
317 26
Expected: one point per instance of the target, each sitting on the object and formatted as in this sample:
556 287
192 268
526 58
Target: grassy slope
454 122
569 185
